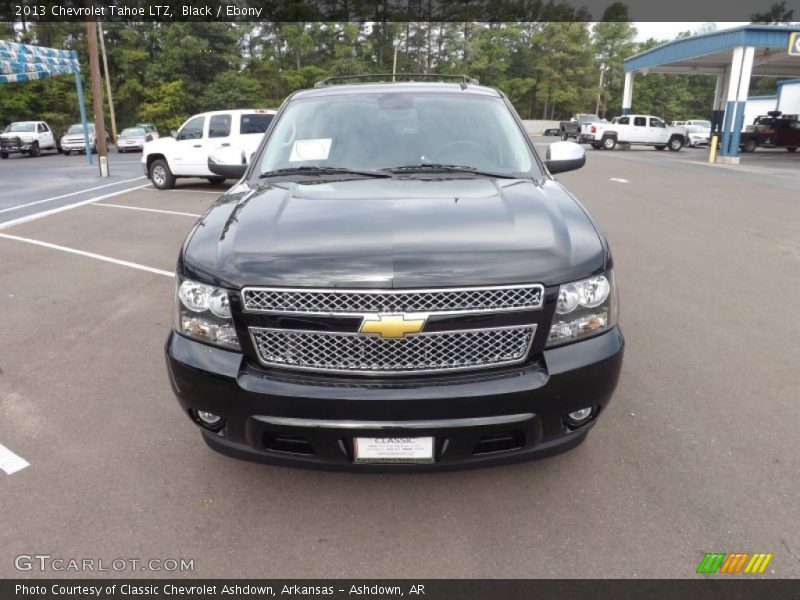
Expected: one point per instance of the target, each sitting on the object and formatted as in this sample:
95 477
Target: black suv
396 280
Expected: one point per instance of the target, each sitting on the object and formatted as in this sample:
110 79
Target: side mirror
564 156
174 134
227 162
148 138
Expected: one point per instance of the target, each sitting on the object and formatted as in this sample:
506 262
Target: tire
791 148
215 180
161 176
564 136
4 155
35 150
750 145
66 152
120 150
675 144
597 145
609 143
660 147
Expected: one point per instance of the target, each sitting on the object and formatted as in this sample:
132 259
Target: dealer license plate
394 450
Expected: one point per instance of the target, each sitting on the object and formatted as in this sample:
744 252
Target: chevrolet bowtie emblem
392 326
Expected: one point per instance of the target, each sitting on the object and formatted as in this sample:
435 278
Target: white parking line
155 210
192 192
53 211
115 261
619 180
99 187
10 462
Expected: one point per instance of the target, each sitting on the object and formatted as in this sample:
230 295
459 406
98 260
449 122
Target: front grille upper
454 300
425 352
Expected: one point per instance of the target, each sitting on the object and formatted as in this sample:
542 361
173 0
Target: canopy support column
733 87
741 100
627 94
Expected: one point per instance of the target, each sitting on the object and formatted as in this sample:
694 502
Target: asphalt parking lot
698 452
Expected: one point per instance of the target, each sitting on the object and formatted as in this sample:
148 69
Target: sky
668 31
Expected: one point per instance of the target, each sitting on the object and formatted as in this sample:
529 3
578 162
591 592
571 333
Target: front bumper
122 145
494 416
15 145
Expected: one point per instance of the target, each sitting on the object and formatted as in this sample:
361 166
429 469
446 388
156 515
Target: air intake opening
292 444
500 442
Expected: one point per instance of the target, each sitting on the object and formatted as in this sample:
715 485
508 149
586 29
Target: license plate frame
394 450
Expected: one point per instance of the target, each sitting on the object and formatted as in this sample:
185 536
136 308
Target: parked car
774 130
133 139
698 132
573 127
150 129
646 130
396 280
186 153
73 140
27 137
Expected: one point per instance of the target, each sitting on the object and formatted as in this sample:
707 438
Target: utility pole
108 83
97 99
600 89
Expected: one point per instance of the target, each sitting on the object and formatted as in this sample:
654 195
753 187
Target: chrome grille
432 301
353 353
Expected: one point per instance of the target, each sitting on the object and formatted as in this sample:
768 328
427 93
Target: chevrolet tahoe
398 282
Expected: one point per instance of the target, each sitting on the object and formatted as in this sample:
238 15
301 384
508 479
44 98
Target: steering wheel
468 145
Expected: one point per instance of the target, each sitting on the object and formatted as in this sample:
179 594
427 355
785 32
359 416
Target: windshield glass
78 128
21 127
706 124
132 132
375 131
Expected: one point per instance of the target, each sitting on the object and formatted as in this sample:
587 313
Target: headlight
203 312
583 309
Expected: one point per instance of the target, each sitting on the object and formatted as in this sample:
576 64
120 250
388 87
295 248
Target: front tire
35 150
66 152
609 143
675 144
750 145
161 176
791 148
4 155
564 136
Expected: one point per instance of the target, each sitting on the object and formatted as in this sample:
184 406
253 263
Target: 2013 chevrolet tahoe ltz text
396 281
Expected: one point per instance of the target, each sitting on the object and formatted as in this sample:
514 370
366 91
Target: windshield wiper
437 167
313 171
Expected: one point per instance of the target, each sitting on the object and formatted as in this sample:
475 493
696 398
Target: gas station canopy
734 56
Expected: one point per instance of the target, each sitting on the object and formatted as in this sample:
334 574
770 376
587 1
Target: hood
402 233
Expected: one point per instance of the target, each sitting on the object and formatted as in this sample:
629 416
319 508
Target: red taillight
594 129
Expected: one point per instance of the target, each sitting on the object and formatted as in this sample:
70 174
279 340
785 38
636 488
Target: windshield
588 119
132 132
369 132
21 127
79 128
706 124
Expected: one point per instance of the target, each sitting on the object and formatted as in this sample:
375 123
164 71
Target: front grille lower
425 352
431 301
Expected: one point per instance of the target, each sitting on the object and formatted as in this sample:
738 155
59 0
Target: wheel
675 144
791 148
67 152
215 180
4 155
660 147
597 145
120 150
564 136
161 176
94 148
609 143
35 150
750 145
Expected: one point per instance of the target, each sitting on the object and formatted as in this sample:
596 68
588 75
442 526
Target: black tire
35 150
750 145
597 145
161 176
66 152
660 147
120 150
791 148
609 143
564 136
4 155
675 144
216 180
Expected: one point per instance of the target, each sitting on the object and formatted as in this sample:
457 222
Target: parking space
697 453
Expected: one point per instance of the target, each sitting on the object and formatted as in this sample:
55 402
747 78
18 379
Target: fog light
579 417
208 419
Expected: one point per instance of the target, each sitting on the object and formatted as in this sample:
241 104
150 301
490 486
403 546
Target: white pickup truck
27 137
645 130
185 154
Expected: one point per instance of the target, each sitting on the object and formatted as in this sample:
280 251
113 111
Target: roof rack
464 80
